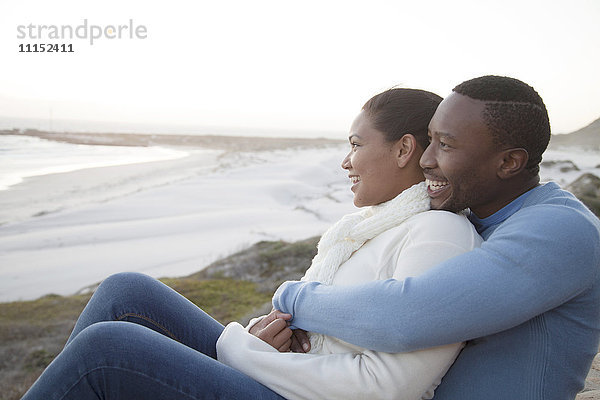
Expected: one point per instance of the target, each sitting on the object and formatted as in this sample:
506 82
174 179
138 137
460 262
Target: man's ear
513 162
405 149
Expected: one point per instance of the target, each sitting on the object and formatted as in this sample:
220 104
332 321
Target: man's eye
443 145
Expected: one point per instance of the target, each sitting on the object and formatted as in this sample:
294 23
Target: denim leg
138 298
117 360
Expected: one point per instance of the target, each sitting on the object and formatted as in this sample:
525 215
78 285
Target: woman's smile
355 179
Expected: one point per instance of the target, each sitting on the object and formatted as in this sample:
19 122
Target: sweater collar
483 224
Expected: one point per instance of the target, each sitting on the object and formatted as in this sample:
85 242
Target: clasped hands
274 329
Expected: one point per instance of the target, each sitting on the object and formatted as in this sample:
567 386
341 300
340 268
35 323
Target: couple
398 295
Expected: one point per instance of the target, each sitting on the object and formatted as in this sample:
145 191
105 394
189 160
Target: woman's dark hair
399 111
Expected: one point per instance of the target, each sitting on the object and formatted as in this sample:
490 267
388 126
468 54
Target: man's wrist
285 296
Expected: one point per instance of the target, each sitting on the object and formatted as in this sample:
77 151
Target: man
527 302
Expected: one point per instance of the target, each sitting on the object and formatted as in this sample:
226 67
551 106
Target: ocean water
24 156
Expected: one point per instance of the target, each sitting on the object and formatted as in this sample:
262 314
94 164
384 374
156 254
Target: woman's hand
274 330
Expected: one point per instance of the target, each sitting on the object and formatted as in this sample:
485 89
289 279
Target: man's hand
273 329
300 341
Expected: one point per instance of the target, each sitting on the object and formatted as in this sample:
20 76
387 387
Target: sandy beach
60 233
63 232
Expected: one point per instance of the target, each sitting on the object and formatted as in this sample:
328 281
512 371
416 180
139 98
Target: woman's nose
346 162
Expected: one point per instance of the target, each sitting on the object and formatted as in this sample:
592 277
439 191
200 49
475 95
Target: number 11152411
45 48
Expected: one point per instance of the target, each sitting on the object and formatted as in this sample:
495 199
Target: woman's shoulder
439 225
436 216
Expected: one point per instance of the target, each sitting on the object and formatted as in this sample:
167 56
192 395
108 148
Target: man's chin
437 204
445 205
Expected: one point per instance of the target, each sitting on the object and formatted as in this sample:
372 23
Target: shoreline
205 154
41 195
214 142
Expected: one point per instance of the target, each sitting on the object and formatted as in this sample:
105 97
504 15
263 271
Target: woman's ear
405 149
512 162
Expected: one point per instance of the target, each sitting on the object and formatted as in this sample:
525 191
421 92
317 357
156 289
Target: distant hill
588 136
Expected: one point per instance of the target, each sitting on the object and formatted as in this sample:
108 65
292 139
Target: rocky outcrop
267 264
562 165
587 189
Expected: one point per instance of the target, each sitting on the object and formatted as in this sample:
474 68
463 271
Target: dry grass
32 333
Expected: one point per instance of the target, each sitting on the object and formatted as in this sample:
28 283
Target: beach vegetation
236 288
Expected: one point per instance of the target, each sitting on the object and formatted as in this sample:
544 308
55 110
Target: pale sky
307 65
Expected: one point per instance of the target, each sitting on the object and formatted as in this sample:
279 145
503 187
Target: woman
170 350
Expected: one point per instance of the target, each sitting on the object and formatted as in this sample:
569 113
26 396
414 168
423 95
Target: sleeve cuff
253 322
285 296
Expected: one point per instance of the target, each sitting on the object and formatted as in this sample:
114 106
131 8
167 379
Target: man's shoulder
552 194
550 203
554 217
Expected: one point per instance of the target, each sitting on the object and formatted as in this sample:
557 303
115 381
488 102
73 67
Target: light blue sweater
528 302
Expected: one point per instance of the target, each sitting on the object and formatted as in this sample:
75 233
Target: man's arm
537 260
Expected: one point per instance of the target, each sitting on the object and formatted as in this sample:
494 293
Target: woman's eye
353 145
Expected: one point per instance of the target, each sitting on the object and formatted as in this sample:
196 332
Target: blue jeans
139 339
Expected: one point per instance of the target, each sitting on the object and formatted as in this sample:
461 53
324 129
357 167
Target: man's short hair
514 112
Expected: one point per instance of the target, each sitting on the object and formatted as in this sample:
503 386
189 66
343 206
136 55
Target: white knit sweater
352 231
342 370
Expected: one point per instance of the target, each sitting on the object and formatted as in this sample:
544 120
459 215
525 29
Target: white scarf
353 230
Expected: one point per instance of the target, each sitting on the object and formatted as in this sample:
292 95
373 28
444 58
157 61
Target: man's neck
509 192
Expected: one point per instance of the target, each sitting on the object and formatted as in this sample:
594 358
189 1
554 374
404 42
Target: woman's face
372 164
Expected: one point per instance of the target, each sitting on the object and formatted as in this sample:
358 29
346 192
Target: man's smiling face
462 161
